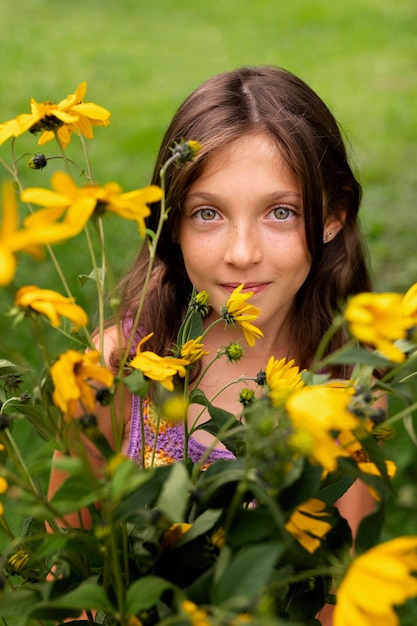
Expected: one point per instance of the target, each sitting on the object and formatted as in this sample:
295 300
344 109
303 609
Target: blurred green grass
141 59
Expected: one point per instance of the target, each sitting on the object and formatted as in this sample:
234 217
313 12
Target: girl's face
243 222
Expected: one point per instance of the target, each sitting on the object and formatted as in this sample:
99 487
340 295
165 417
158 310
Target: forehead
256 151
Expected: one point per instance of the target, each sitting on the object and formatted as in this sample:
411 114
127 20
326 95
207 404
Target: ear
332 226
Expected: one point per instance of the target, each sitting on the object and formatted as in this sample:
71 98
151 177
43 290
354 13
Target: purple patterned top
170 439
170 435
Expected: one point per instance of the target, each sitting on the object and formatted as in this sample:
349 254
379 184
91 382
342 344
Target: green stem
99 282
163 214
87 160
399 416
17 458
318 363
63 154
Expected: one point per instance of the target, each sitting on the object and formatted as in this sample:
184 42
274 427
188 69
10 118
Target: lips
248 286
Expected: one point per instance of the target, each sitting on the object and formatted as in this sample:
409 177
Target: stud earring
327 237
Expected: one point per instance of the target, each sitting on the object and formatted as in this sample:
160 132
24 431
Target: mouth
249 286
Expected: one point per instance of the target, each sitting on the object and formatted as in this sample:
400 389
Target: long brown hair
223 109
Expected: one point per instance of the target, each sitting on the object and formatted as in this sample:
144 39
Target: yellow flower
238 312
379 319
159 368
79 203
3 485
70 115
114 462
218 538
197 616
174 534
376 582
14 239
306 526
282 379
409 302
51 304
193 350
354 449
317 412
17 562
370 468
174 408
70 375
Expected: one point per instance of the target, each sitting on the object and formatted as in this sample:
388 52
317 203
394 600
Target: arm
122 403
354 505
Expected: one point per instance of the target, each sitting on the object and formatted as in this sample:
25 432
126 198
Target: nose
244 247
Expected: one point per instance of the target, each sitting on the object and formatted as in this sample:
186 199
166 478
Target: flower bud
185 151
247 396
37 162
234 352
201 303
261 378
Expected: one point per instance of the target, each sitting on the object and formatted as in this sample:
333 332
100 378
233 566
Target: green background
142 58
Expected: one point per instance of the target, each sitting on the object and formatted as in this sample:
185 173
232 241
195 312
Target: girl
270 202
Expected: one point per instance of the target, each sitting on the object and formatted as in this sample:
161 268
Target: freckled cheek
200 255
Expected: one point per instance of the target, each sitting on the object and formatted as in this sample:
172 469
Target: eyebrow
272 197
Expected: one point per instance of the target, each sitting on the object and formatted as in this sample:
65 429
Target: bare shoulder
108 342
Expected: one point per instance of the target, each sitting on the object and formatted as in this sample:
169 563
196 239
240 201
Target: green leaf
137 384
144 593
191 328
175 493
247 574
333 487
88 595
219 417
369 529
84 278
202 524
7 367
359 355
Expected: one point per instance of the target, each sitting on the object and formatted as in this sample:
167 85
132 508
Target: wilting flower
70 115
239 313
14 239
306 524
174 534
159 368
317 412
193 350
71 374
79 203
51 304
380 319
376 582
282 378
